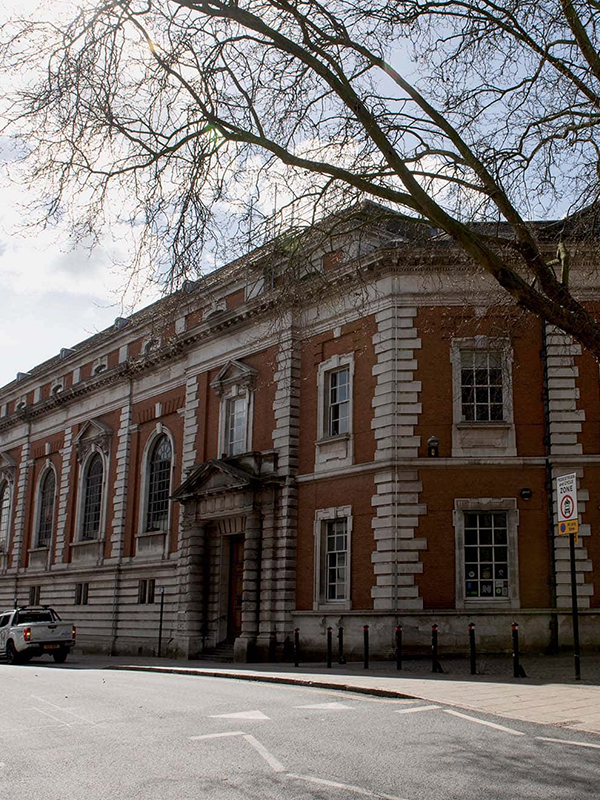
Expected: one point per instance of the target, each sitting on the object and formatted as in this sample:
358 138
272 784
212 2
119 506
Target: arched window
159 485
92 498
46 515
5 498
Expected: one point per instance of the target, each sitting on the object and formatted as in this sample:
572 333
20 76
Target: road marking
216 735
348 787
413 710
484 722
47 714
328 707
241 715
566 741
62 710
268 757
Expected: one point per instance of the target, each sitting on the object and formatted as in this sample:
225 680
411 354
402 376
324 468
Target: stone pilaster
565 429
64 492
396 501
20 508
281 554
120 485
190 429
190 580
250 589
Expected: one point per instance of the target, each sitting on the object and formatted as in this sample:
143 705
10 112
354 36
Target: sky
52 294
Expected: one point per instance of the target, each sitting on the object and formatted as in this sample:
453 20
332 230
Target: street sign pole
575 609
568 525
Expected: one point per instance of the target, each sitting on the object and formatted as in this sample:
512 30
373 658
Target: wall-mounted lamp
526 494
433 447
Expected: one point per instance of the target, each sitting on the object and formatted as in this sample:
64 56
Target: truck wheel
60 656
12 657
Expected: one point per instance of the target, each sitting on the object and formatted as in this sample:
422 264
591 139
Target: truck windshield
35 616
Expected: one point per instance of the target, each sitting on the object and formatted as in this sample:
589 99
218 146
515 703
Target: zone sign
566 498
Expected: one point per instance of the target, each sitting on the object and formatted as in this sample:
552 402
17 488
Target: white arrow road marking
268 757
348 787
216 735
241 715
413 710
328 707
566 741
484 722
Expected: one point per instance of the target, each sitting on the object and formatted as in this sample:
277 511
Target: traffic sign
566 497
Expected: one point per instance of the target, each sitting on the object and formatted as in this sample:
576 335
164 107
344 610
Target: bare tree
181 115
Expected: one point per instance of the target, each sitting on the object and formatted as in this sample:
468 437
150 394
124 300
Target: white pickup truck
31 631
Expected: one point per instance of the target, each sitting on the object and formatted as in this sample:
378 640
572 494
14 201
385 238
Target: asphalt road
75 734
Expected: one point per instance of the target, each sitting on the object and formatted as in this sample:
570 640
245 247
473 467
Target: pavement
548 695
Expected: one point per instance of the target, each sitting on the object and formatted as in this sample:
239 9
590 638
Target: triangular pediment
92 429
234 372
8 466
214 476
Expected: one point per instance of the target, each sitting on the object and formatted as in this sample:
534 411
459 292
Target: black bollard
329 646
518 671
472 652
398 646
366 646
435 664
296 647
341 656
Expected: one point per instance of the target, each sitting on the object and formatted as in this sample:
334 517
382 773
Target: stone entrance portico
227 502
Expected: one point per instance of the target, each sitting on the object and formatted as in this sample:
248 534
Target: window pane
235 424
46 514
338 399
92 504
486 555
4 512
336 551
159 485
481 386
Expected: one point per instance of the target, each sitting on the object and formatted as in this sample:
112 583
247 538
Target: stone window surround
83 467
7 483
241 386
462 430
48 465
325 442
322 516
159 430
482 505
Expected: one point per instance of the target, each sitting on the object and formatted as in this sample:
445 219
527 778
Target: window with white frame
482 397
332 557
236 414
5 503
234 385
93 483
334 445
481 391
486 551
338 401
159 484
46 499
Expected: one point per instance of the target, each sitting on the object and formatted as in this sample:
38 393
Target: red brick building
258 464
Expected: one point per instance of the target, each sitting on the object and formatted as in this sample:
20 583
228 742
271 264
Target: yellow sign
565 528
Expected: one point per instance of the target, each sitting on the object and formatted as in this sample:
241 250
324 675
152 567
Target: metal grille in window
46 519
338 411
159 485
481 386
92 505
336 557
4 513
486 555
236 425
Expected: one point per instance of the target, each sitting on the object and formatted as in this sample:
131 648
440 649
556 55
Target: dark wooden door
236 580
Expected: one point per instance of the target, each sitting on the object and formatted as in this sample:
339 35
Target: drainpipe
396 448
549 486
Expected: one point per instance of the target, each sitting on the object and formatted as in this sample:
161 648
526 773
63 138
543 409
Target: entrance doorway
236 581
